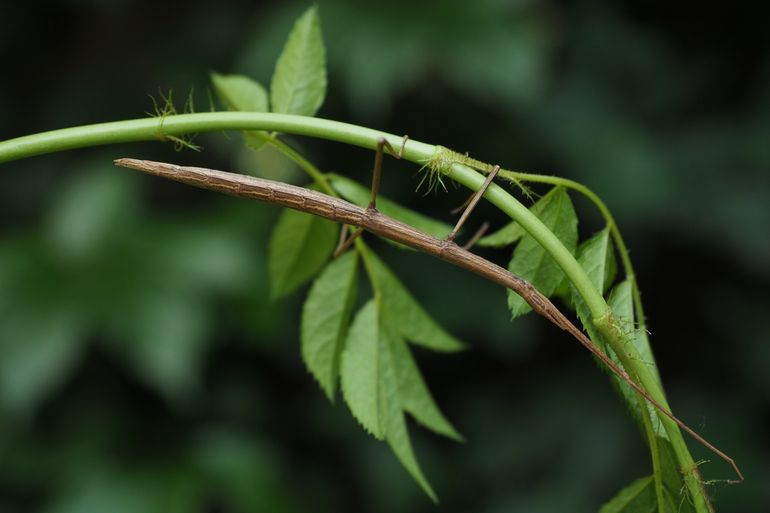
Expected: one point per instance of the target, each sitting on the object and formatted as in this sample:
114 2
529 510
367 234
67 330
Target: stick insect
373 221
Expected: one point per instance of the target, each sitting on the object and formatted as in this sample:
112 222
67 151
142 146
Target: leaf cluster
364 343
367 351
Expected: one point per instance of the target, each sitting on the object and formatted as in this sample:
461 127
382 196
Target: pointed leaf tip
380 381
638 497
298 85
414 393
412 321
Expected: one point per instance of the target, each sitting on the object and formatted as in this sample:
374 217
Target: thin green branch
304 164
657 470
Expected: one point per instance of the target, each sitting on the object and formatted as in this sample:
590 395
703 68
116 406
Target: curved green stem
657 472
516 210
620 244
164 128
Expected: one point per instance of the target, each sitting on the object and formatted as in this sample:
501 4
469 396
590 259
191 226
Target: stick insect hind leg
382 145
472 202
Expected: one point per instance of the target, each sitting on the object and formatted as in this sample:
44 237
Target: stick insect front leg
382 145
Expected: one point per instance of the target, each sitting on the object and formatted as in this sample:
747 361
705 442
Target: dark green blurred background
143 368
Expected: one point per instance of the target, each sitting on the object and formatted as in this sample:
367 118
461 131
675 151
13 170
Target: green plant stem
623 347
148 129
602 317
304 164
657 472
161 128
631 276
649 381
620 244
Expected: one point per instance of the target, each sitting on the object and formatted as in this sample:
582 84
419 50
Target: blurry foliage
145 369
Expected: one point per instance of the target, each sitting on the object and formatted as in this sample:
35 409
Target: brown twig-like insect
371 220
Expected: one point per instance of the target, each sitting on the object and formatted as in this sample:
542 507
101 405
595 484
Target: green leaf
597 258
398 440
531 261
674 488
299 81
413 322
380 381
638 497
621 303
299 246
505 236
325 318
415 396
360 195
240 93
360 371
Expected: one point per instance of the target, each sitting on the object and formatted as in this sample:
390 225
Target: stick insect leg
382 145
475 199
476 236
345 242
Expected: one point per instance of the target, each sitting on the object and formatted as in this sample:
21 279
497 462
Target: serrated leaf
325 318
360 371
597 258
398 440
299 246
505 236
621 303
415 396
299 81
638 497
391 402
531 261
360 195
413 322
240 93
380 381
673 485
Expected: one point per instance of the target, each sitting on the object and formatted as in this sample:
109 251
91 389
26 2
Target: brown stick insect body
370 219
